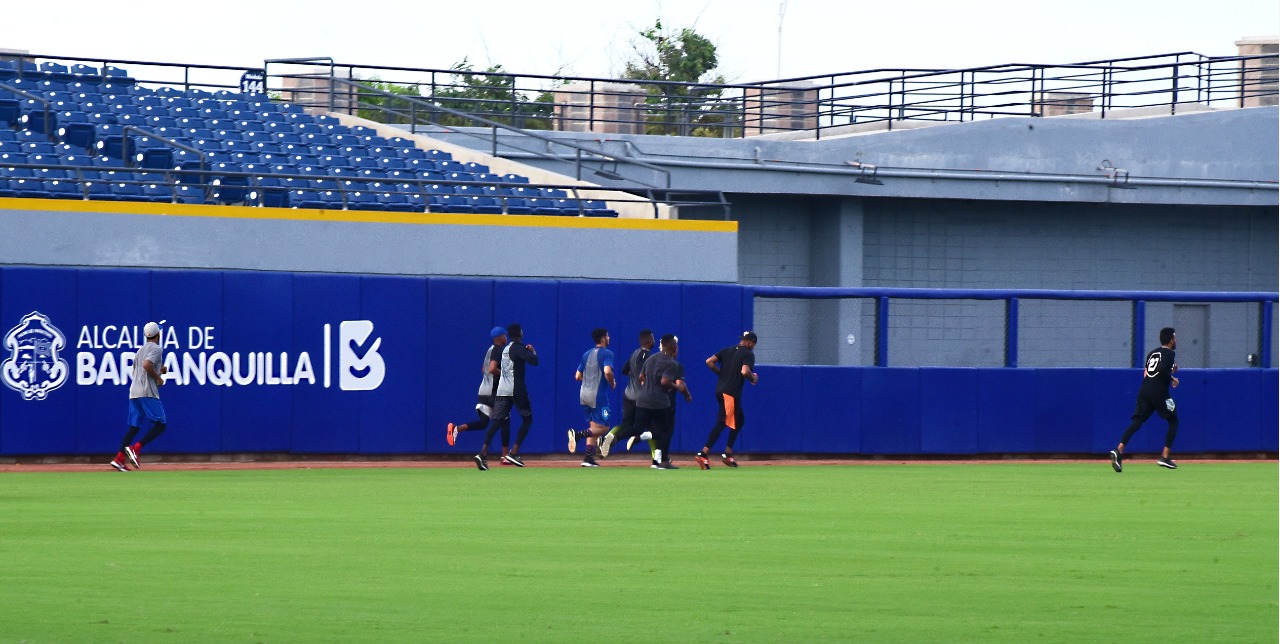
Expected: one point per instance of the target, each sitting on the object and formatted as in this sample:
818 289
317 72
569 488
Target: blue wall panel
119 302
584 306
891 403
1006 411
1269 395
839 429
1113 392
43 426
534 305
393 418
459 316
324 419
192 303
948 411
1229 427
1064 417
711 319
258 319
776 417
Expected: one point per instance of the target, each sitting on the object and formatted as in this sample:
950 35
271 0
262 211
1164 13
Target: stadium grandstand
1034 216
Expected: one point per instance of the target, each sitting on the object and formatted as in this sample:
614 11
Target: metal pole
1268 315
1011 332
882 332
1139 330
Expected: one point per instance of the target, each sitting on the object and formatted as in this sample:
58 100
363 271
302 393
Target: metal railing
225 187
418 111
1011 297
822 104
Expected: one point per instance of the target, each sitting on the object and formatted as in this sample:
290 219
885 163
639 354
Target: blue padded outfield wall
316 363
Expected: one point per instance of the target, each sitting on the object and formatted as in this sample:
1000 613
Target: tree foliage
684 96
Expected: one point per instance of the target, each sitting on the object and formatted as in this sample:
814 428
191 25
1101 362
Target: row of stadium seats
64 128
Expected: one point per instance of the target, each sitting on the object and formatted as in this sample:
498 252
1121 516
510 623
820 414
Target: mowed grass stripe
1051 551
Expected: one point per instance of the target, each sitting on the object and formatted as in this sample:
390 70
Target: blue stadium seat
9 112
597 208
63 189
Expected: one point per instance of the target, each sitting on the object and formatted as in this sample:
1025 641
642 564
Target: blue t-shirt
593 393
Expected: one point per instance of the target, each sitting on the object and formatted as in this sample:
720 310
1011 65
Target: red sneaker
728 460
702 461
131 453
452 435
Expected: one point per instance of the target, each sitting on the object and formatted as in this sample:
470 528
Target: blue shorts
145 409
599 415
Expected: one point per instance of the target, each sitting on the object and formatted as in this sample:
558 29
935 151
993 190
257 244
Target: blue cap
496 331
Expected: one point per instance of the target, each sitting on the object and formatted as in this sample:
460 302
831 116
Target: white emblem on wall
360 366
33 367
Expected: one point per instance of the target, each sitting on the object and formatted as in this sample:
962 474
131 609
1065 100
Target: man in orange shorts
735 365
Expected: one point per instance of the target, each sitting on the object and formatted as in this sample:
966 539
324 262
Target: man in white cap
144 399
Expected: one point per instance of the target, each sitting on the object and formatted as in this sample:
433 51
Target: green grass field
1009 552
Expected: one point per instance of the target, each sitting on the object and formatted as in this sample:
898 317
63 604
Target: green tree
376 106
492 94
686 98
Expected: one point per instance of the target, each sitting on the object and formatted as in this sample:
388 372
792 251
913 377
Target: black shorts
521 403
1147 406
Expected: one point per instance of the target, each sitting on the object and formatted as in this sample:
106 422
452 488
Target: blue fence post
1011 332
882 332
1267 313
1139 328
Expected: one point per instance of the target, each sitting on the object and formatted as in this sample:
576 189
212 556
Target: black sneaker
667 465
513 459
1115 461
589 461
1167 462
481 463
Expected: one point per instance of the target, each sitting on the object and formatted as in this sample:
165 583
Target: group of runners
654 380
648 407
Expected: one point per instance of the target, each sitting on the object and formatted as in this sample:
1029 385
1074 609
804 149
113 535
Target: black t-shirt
652 394
1157 374
731 361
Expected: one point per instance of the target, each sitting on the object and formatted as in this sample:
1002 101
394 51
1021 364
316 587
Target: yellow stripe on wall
363 216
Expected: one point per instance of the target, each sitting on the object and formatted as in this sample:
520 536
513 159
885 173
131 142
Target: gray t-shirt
507 373
143 386
652 394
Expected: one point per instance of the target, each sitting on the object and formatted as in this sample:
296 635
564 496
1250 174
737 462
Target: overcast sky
594 38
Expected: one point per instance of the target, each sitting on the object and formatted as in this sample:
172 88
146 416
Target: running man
144 399
512 393
1153 396
595 369
660 376
489 371
735 365
630 369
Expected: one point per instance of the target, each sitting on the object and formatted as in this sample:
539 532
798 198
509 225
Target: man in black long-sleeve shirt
1153 396
512 392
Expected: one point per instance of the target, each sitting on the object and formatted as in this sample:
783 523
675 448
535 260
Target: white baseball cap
151 330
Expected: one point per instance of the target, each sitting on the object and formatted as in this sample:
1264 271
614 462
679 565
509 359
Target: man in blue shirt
595 369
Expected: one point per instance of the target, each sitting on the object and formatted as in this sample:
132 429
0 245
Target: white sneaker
647 436
606 444
573 441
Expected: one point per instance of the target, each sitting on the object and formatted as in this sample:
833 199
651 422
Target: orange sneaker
702 461
452 434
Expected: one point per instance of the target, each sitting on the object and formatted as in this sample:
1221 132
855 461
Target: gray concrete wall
1005 159
225 237
969 244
